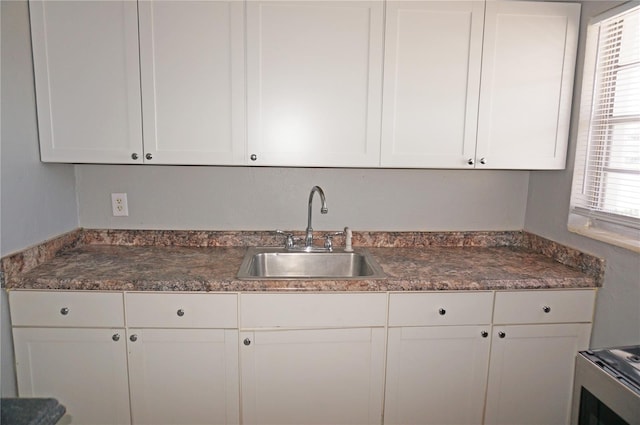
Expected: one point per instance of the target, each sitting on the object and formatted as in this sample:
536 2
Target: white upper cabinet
314 77
527 82
87 78
431 83
192 73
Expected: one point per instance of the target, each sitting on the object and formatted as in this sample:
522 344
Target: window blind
607 173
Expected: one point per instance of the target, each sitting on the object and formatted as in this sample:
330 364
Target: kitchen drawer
312 310
434 309
171 310
544 306
66 309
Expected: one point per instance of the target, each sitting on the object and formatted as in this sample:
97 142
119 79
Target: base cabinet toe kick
442 357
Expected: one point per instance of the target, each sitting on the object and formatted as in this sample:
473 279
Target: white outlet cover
119 205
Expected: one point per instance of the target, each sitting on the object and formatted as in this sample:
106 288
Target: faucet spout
308 241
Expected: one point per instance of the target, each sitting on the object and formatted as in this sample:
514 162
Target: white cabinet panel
314 73
431 83
66 309
515 307
436 375
531 373
179 310
312 376
192 69
184 376
439 309
527 84
85 369
87 76
312 310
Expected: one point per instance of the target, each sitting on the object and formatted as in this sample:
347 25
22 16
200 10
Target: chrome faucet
308 240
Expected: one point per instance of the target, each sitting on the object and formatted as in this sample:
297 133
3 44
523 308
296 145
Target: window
605 200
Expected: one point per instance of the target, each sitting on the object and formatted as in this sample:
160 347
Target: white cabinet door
531 373
314 73
85 57
192 69
436 375
431 83
527 83
184 376
312 376
85 369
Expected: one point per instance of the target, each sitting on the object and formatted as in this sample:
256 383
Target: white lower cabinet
183 376
503 357
531 373
330 370
536 337
85 369
72 346
312 376
437 356
183 358
436 375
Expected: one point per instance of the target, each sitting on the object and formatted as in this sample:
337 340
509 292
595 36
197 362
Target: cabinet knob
484 334
502 334
482 161
254 157
180 312
247 341
64 311
442 312
116 337
470 161
133 338
546 309
148 156
134 156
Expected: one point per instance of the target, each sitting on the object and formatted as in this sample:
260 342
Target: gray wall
38 201
244 198
617 319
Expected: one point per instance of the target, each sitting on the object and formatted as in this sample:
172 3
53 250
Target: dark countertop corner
30 411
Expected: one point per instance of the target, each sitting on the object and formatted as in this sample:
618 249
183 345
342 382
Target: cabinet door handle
64 311
247 341
483 161
148 156
442 311
180 312
253 157
133 338
470 161
116 337
484 334
546 309
134 156
502 334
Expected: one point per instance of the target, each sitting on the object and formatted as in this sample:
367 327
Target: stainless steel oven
607 387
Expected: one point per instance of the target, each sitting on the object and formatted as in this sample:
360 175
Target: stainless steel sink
277 263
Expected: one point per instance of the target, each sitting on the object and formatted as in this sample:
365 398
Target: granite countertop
146 266
30 411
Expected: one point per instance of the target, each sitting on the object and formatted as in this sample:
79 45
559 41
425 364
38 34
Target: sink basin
277 263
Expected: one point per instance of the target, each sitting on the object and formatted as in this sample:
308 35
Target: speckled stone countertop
209 261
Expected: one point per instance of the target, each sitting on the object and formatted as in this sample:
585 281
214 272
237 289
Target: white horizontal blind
607 173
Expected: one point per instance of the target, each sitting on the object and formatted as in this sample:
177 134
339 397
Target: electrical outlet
119 205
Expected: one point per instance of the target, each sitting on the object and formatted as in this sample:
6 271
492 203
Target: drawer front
433 309
312 310
571 306
170 310
66 309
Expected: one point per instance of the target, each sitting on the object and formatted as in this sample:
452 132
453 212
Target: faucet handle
328 240
290 241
